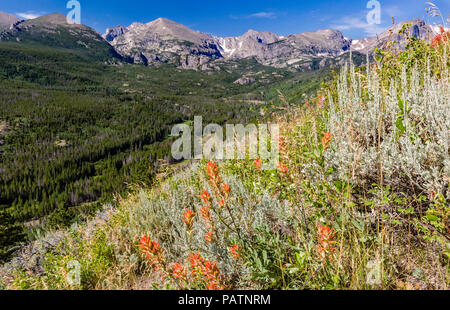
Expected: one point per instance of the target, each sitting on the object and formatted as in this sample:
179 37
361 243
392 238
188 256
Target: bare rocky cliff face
418 29
6 20
163 41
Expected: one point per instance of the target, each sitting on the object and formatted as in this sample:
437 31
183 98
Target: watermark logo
374 15
259 142
74 275
374 274
74 15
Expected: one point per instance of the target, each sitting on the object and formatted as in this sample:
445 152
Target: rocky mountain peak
54 18
264 37
163 41
6 20
166 41
418 29
53 30
112 33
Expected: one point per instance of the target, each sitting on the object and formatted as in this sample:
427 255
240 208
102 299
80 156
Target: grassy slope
80 130
312 225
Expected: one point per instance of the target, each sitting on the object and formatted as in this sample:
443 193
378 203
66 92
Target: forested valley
76 130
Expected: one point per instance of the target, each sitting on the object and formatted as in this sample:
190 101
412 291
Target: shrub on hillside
394 129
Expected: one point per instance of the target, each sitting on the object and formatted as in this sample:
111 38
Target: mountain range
165 41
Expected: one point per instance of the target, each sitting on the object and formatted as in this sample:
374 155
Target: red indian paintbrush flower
189 218
282 168
441 38
235 251
212 286
196 261
258 164
206 271
326 241
179 271
209 237
226 189
152 250
206 196
204 211
213 171
149 246
326 139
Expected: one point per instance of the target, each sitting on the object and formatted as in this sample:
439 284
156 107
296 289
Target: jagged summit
163 41
166 41
112 33
53 18
54 31
418 29
168 28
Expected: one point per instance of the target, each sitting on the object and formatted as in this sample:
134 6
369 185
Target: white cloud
356 23
263 15
269 15
29 15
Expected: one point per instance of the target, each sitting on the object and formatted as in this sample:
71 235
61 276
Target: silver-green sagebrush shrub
398 136
236 220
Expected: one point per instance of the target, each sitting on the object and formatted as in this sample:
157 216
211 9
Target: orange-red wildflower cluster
152 251
209 237
213 172
283 169
326 139
197 271
235 251
189 216
179 271
207 272
206 196
258 164
221 190
226 189
326 240
205 212
441 38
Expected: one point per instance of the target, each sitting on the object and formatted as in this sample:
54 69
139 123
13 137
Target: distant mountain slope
164 41
250 44
298 48
54 31
6 20
418 29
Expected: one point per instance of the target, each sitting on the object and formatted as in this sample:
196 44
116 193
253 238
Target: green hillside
77 129
359 198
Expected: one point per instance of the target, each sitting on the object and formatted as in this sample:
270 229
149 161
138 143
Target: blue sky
231 17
